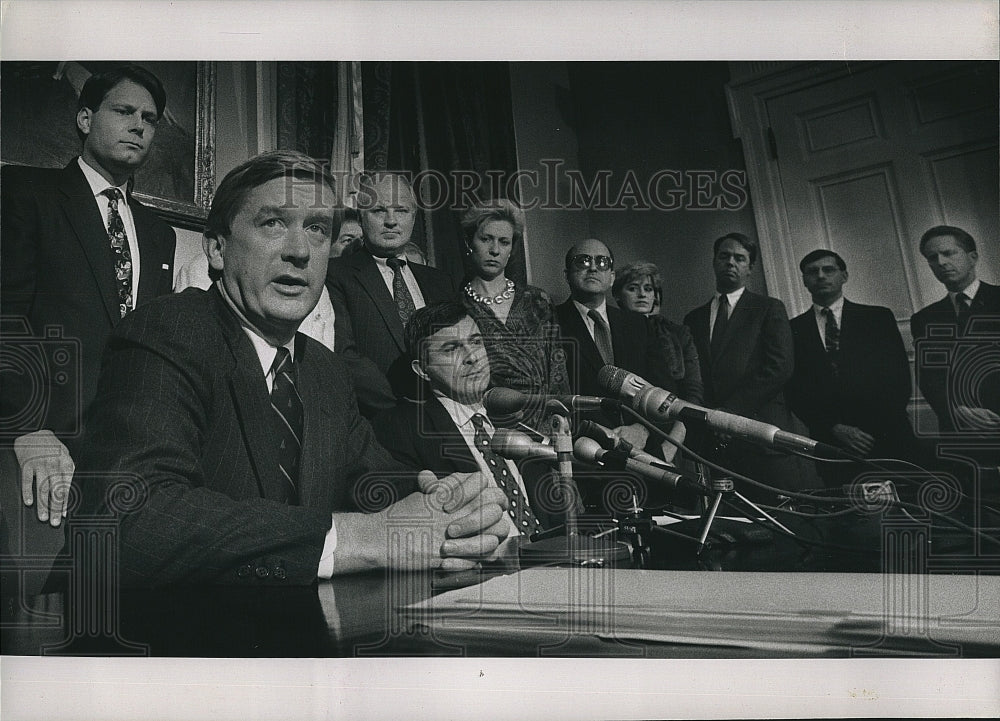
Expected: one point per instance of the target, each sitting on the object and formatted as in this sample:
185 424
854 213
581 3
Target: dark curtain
307 107
465 112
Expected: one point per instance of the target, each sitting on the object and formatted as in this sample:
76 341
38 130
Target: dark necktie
602 337
964 308
721 321
287 407
518 509
831 338
119 247
404 301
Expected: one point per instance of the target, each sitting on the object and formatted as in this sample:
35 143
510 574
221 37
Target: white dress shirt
461 416
838 310
733 298
970 293
408 278
98 184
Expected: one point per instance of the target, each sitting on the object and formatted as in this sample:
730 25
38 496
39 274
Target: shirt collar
383 261
970 292
585 310
265 351
461 413
837 307
733 296
97 182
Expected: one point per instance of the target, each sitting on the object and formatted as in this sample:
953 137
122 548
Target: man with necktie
963 327
745 349
229 446
596 334
851 383
375 290
78 253
446 429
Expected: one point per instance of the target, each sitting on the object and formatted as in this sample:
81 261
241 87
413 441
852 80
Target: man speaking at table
230 447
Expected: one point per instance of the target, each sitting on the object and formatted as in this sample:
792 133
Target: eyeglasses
585 262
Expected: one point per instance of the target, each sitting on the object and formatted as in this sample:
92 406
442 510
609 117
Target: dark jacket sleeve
773 366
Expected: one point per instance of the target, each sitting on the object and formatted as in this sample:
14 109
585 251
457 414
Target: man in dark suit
961 328
375 290
597 334
445 428
745 348
851 383
230 447
78 252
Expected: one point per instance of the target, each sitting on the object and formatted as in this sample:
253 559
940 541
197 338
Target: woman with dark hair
517 321
637 288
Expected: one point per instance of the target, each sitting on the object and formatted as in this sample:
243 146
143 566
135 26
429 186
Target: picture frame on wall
38 128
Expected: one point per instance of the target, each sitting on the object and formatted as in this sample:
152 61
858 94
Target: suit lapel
318 436
151 253
370 279
738 318
585 343
452 448
253 405
84 218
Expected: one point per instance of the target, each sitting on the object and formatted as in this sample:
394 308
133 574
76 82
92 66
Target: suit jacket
936 329
366 316
635 347
754 362
182 421
422 435
58 276
872 387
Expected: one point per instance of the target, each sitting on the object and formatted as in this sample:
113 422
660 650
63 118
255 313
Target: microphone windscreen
517 446
504 401
612 379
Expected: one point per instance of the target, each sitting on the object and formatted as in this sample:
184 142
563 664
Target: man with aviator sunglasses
596 334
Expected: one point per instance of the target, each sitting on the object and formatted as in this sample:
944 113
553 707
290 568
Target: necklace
496 299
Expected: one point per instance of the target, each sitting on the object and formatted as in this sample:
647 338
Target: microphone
606 439
589 450
507 401
658 405
517 446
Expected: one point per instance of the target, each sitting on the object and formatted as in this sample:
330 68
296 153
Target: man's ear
83 120
214 247
419 370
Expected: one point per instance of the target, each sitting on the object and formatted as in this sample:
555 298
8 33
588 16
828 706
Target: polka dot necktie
518 509
286 405
119 247
400 293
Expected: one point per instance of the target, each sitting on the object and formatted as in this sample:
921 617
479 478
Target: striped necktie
286 405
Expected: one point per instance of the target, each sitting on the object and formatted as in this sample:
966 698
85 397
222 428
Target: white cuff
329 546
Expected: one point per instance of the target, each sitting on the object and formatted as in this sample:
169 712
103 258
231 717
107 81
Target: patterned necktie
404 301
287 407
964 308
119 247
721 321
831 336
518 509
602 337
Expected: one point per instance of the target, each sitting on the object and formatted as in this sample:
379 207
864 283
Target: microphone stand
571 548
723 487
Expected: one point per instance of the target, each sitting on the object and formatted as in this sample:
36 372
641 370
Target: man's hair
635 272
366 188
426 321
573 252
821 253
100 84
500 209
244 178
965 241
749 245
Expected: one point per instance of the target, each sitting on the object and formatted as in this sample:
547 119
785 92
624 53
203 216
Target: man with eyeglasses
596 334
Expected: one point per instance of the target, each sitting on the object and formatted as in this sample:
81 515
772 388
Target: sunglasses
585 262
